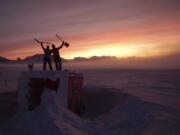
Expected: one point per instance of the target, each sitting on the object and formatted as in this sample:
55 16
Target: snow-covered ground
117 102
157 86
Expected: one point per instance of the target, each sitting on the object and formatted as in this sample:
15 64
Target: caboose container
67 91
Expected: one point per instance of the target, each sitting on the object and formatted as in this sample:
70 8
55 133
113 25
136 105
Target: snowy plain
118 101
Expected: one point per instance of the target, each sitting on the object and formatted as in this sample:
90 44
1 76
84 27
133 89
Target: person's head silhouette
53 46
47 47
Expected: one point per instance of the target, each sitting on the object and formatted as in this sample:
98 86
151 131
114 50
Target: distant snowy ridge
160 62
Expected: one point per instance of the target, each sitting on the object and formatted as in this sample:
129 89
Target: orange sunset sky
122 28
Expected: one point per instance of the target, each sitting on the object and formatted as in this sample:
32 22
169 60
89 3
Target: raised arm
40 42
42 45
61 45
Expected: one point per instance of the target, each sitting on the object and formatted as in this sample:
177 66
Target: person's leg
60 65
56 63
50 65
44 64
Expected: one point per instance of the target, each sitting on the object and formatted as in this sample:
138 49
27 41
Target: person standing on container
47 54
56 55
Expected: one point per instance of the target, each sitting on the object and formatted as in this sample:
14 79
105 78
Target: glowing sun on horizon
126 50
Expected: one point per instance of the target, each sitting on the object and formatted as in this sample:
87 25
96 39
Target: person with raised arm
56 55
47 54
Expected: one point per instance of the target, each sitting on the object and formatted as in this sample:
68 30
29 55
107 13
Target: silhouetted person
47 54
56 55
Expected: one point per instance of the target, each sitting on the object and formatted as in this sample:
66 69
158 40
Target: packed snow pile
24 86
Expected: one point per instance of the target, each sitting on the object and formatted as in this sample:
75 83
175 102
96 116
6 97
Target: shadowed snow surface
116 103
130 116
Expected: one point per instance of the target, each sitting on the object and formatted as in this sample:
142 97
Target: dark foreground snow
107 112
117 102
